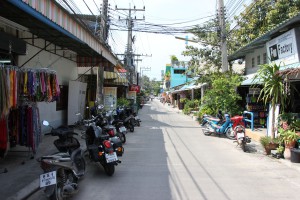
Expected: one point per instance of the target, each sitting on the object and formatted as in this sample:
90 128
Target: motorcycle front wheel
131 127
109 169
122 137
243 145
137 123
230 133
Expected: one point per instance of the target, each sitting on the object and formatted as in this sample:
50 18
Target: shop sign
254 90
283 48
134 88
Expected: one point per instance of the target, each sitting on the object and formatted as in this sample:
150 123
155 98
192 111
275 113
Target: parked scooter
112 126
102 148
126 116
224 128
240 136
63 169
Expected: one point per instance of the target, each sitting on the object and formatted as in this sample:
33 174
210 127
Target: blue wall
178 76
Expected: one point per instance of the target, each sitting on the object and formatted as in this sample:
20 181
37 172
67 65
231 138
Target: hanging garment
3 137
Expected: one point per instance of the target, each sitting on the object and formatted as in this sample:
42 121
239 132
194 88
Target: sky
158 47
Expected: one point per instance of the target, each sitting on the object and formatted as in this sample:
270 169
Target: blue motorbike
212 127
219 119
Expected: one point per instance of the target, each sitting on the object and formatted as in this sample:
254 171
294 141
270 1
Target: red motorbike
238 132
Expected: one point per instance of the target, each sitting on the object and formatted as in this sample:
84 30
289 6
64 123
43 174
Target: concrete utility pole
223 36
105 20
129 52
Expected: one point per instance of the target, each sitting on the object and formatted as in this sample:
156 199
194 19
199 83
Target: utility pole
105 20
129 52
223 36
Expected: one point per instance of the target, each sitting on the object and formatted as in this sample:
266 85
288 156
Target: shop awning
250 80
110 75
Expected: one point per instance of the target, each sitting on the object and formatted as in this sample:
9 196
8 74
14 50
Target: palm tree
273 90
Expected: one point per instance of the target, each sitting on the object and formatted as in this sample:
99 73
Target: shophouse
43 39
280 45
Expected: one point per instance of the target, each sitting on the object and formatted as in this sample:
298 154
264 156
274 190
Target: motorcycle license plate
240 135
111 157
48 179
122 129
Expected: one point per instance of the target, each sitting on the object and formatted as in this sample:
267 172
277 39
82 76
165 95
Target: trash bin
295 155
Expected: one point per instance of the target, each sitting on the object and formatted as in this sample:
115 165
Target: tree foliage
150 86
260 17
221 94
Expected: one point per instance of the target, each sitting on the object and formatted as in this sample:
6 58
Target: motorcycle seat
216 119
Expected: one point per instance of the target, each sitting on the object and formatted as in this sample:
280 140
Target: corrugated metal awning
110 75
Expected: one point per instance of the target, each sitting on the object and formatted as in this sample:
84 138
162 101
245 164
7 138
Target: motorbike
102 148
241 138
127 117
211 127
62 170
112 126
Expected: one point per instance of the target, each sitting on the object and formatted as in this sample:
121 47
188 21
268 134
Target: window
258 60
253 64
179 71
265 58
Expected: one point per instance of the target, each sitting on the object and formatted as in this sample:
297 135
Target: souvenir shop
20 90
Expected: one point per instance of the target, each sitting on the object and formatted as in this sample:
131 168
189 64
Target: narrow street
168 157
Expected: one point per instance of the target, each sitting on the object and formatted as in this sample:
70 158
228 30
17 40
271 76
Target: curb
26 191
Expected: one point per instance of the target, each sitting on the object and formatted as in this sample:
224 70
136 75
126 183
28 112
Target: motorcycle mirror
100 106
45 123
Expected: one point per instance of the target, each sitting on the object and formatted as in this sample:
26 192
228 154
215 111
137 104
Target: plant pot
287 149
271 146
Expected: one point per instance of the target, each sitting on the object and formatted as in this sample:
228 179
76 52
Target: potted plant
289 138
167 75
279 151
269 144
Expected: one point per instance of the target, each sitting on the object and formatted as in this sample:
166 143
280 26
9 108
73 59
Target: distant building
175 75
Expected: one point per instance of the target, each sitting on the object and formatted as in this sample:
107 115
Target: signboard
132 95
134 88
254 90
283 48
110 98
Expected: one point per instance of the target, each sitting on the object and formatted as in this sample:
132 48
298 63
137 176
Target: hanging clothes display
39 85
25 126
19 114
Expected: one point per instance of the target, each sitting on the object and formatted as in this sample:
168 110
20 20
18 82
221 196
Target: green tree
260 17
221 94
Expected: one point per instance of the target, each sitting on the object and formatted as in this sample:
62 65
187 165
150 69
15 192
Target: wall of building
65 70
178 79
261 52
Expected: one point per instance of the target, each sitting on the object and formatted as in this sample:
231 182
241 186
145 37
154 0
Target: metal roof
44 28
261 41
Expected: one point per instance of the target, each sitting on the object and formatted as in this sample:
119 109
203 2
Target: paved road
168 157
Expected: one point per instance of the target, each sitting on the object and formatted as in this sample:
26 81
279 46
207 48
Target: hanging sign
134 88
